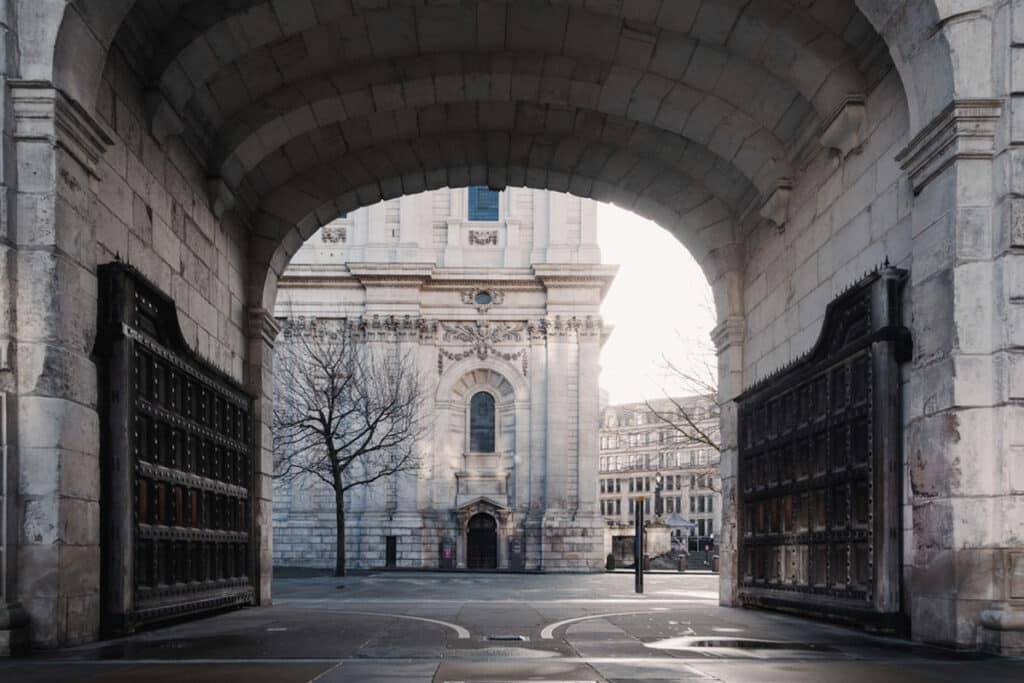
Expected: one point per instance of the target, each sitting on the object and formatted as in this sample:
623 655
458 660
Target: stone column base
1002 630
13 631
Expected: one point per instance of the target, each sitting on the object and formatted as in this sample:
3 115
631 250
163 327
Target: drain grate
507 637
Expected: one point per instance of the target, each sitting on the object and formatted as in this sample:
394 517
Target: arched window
481 423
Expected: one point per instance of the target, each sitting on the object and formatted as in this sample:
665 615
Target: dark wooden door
176 461
819 467
391 551
482 543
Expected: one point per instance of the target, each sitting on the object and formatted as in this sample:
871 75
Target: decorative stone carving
483 238
483 299
334 234
483 339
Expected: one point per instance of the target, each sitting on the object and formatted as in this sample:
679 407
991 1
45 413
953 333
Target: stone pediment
483 504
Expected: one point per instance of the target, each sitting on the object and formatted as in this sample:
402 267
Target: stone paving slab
427 629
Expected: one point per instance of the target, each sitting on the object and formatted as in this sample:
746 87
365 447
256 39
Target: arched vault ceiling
247 81
732 156
762 106
263 42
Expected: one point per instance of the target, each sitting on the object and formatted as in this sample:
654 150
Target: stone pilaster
556 485
728 338
962 516
55 443
261 333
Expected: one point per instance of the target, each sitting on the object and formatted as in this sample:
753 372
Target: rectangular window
700 505
647 506
700 528
618 506
711 527
693 482
711 503
647 483
483 204
602 486
679 503
631 486
618 486
632 505
693 504
668 483
668 506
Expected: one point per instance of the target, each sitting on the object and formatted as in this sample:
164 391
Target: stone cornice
261 323
393 274
729 332
42 112
966 129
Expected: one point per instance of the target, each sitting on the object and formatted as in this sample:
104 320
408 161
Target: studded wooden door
176 465
819 467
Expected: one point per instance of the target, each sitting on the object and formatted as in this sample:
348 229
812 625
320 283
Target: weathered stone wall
153 210
847 215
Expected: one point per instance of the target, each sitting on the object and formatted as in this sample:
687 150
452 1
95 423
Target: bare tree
691 407
347 412
699 381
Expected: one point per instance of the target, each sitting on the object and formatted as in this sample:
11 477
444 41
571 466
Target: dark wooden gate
176 464
819 467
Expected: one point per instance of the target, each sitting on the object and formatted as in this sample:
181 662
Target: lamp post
638 545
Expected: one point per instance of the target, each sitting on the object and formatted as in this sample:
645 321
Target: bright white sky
660 304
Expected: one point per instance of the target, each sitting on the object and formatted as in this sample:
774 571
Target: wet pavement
486 628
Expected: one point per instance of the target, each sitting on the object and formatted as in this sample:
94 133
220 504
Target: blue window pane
481 423
483 204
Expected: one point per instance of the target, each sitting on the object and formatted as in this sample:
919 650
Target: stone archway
153 131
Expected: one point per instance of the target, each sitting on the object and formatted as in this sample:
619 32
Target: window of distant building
481 423
483 204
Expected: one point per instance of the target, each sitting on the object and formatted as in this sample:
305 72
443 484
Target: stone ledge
966 129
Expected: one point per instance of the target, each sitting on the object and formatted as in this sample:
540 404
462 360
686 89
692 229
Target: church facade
497 297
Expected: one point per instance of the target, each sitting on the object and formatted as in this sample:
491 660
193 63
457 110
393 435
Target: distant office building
637 446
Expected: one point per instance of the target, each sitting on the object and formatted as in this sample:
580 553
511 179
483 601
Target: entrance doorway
391 552
482 542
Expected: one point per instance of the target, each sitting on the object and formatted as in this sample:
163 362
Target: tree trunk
339 502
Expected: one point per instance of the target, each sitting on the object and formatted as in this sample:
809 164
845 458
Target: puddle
694 643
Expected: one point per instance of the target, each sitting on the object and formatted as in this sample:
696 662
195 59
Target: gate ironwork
819 467
176 462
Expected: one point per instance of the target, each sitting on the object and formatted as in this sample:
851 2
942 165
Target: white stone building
499 295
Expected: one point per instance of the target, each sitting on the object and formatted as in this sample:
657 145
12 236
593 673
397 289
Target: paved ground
404 627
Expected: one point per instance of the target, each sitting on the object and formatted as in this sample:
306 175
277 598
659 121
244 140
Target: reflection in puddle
697 643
